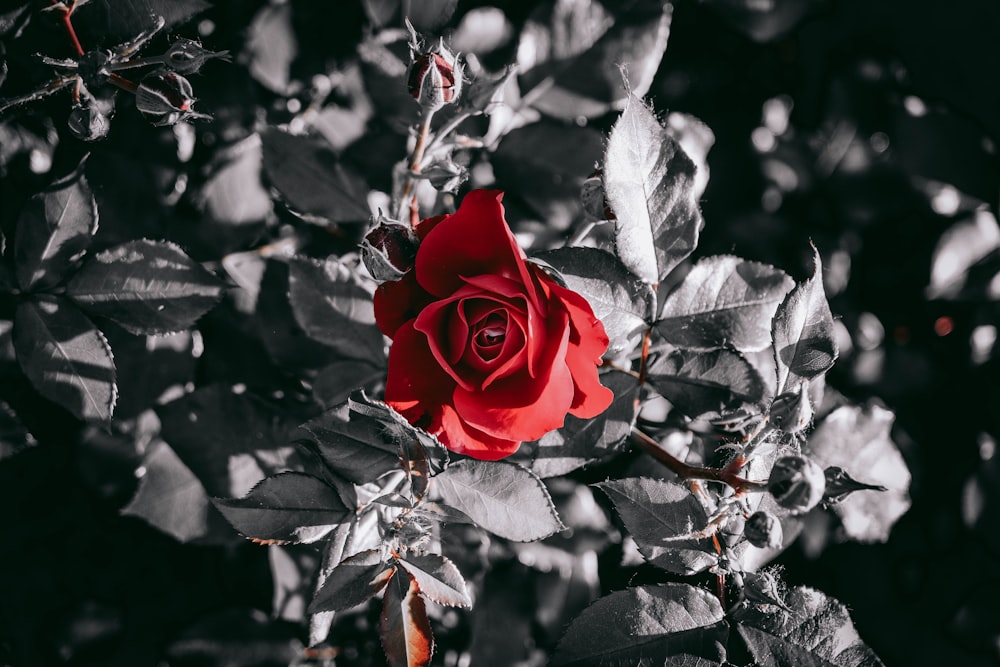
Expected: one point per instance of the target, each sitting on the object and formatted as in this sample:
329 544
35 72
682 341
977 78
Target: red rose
488 350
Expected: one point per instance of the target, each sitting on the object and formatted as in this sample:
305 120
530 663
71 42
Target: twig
685 471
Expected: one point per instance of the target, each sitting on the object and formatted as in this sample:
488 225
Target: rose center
490 333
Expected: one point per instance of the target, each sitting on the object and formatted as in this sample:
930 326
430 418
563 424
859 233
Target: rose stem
685 471
67 22
720 578
414 168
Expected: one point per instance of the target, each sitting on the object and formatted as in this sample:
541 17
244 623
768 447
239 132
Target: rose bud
762 588
88 122
165 98
435 78
839 485
488 350
796 483
186 56
792 411
763 530
389 249
445 175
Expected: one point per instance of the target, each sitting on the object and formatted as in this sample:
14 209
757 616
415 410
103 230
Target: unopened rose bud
839 485
445 175
792 411
763 530
186 56
435 78
762 588
165 98
88 122
389 249
796 483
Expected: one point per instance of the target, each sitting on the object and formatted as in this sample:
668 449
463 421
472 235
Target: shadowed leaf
312 180
655 510
673 624
53 231
818 632
288 507
802 330
148 287
503 498
332 307
724 301
438 578
583 441
573 53
355 580
170 498
701 382
229 440
65 356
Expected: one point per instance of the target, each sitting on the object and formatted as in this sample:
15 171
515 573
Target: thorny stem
685 471
414 168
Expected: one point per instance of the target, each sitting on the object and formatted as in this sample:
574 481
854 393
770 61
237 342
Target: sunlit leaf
288 507
649 183
355 580
802 329
675 624
404 627
438 578
818 632
622 302
148 287
960 247
271 47
857 439
701 382
724 301
503 498
233 194
53 231
654 511
65 356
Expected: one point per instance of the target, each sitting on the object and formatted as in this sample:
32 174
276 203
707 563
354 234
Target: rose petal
416 385
465 439
588 343
520 407
398 301
475 240
533 321
510 358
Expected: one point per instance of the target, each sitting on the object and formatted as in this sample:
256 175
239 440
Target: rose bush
488 350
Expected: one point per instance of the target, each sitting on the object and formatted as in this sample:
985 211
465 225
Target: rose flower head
488 350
